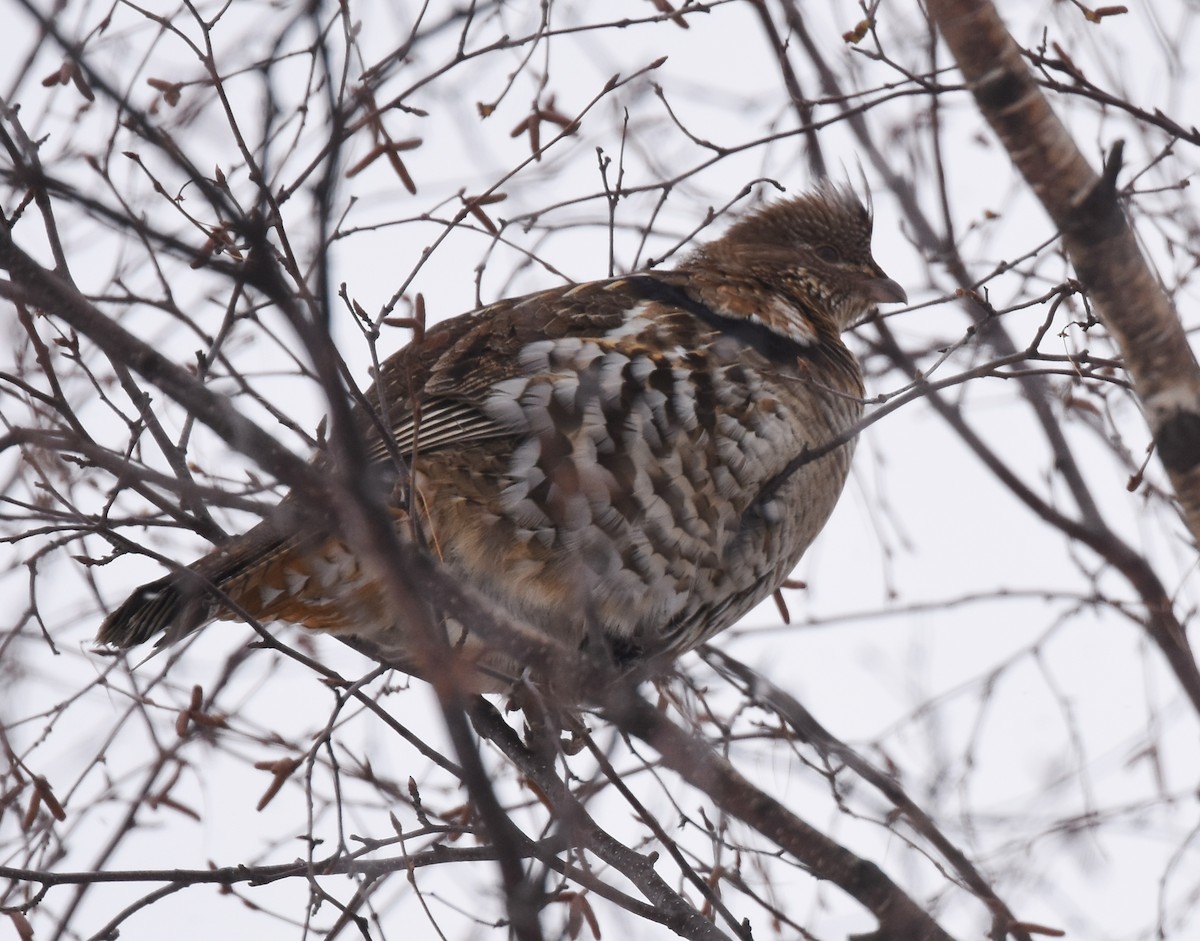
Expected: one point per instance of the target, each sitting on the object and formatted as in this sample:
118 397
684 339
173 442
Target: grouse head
812 255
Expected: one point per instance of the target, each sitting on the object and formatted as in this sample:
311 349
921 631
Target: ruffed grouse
621 454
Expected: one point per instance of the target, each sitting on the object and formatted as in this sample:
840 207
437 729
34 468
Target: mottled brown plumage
617 455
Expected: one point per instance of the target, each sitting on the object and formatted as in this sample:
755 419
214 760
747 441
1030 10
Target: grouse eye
829 253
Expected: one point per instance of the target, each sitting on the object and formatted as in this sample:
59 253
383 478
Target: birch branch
1098 238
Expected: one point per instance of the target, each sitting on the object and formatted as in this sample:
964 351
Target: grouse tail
174 605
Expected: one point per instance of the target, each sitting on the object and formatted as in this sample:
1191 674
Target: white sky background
877 650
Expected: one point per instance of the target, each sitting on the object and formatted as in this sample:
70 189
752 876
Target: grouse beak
886 291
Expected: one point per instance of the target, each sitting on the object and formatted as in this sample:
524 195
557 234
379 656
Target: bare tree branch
1102 246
